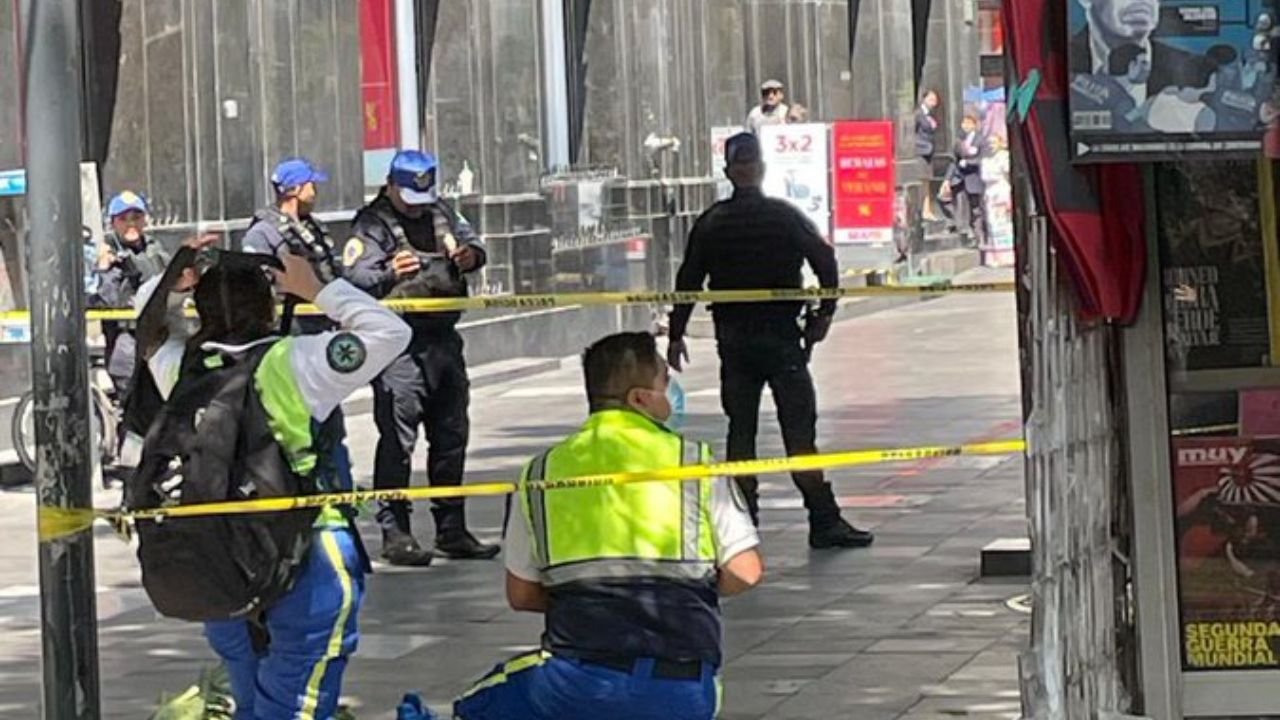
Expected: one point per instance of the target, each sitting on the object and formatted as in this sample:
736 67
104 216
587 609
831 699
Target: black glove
816 327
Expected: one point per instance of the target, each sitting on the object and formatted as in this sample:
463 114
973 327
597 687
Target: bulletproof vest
307 239
439 276
212 442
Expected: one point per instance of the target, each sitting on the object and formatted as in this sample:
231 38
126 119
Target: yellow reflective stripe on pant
509 668
334 650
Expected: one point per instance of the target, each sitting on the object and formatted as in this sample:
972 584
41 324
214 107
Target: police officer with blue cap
288 226
126 260
410 243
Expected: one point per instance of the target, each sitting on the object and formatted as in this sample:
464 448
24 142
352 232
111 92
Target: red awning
1096 212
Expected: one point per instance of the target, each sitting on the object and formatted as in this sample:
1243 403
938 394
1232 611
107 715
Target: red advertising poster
862 160
1227 492
378 74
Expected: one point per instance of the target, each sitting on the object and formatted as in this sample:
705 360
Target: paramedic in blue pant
628 576
290 664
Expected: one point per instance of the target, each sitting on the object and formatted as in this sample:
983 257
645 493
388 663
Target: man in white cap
771 110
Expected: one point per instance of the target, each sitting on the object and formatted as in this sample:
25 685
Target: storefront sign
1228 523
862 154
1150 80
796 169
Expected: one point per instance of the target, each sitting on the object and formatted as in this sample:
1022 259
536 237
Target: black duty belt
662 669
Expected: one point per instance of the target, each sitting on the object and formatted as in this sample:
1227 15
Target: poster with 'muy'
1227 491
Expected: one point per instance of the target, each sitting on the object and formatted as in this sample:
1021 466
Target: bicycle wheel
23 430
104 426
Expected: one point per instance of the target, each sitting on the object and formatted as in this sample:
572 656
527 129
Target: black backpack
211 442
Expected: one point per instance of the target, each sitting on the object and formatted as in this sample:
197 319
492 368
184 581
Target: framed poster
1214 265
863 186
796 169
1227 491
1154 79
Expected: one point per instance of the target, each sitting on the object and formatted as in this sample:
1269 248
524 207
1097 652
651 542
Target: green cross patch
345 353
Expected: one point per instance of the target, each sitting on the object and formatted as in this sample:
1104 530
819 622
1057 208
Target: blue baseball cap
414 173
296 172
124 202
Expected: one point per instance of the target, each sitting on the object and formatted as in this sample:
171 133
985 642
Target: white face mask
433 195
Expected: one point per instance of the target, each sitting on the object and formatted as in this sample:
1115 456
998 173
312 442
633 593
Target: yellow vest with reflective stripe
641 530
289 418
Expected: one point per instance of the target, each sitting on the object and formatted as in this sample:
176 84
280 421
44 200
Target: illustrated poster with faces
1155 79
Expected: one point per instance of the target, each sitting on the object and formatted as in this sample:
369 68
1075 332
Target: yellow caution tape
56 522
560 300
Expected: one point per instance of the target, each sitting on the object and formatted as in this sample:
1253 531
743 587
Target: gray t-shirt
758 117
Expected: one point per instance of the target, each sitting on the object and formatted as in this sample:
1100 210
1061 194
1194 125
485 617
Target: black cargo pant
751 356
428 387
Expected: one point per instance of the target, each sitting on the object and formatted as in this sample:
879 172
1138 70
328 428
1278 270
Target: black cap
742 148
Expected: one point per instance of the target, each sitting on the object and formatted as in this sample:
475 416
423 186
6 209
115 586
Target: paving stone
900 631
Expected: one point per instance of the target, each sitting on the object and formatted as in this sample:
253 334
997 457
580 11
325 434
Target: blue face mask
675 396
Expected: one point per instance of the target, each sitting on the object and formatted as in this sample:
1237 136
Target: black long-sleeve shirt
752 242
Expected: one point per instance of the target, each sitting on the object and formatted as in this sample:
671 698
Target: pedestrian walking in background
967 178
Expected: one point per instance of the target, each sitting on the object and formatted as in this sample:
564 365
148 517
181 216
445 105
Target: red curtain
1096 212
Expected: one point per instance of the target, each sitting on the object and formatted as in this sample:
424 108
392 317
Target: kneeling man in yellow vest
629 577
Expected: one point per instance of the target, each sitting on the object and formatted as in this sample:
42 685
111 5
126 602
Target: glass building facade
211 95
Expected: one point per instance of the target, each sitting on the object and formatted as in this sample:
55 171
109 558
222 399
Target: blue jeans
312 634
541 686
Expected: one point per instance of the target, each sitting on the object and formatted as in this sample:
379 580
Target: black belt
662 669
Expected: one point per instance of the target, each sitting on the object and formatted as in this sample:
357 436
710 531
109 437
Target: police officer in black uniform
127 258
288 226
409 243
751 242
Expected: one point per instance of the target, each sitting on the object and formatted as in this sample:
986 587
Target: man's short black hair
235 304
618 363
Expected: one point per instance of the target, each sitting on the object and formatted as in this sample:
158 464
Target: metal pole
555 79
407 74
59 363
